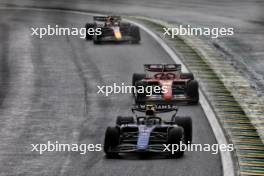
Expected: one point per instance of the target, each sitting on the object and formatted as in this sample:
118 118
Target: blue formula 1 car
148 133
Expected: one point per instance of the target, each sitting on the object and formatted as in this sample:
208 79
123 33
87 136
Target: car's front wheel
96 40
193 91
87 27
135 34
175 139
186 124
112 136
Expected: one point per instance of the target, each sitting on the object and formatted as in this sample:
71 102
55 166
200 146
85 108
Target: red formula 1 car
175 86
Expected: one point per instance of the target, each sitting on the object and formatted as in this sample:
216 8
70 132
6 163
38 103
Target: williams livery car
148 133
177 86
112 28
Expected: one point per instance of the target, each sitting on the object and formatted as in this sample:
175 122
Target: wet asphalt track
244 49
48 92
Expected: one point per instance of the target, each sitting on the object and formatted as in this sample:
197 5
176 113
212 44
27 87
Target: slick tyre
193 91
87 27
186 124
112 136
176 136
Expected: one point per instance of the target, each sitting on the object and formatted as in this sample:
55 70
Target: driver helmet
150 110
110 19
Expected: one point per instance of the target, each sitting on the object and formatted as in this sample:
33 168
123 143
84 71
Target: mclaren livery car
176 86
148 133
112 29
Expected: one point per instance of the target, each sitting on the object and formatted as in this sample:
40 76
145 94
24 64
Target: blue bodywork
144 132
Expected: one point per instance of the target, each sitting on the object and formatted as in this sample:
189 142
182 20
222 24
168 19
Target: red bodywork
167 83
175 86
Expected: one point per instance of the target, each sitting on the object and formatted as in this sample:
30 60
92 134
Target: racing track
49 93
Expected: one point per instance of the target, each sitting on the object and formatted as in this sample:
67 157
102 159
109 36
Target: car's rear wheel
135 34
125 25
120 120
186 124
87 27
187 76
112 136
140 93
137 77
193 91
176 137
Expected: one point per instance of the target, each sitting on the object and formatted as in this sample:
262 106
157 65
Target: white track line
226 157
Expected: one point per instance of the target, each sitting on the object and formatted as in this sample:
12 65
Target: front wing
131 148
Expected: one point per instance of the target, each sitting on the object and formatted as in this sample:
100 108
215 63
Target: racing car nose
117 33
167 87
168 95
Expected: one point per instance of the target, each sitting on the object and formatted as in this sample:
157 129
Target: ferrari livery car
176 86
148 133
112 28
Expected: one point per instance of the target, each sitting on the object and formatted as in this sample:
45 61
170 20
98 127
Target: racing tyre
96 41
135 34
120 120
112 135
186 124
140 96
137 77
187 76
176 136
88 26
125 25
193 91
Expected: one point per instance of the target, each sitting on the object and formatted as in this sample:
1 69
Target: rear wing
104 18
160 108
162 67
